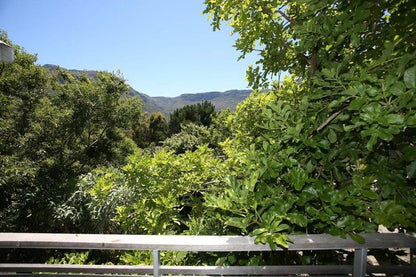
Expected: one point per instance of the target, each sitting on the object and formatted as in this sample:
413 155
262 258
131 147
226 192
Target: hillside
166 105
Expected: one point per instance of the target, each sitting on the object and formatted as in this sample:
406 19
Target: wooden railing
201 243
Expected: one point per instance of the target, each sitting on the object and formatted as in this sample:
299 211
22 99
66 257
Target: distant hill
166 105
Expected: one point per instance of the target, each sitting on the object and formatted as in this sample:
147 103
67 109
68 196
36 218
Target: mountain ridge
166 105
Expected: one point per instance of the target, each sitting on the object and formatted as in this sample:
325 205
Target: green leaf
297 177
370 194
410 77
271 243
372 92
411 170
411 120
397 89
281 228
309 166
385 134
332 136
395 119
236 222
371 142
258 231
357 238
281 240
298 219
260 239
357 103
232 259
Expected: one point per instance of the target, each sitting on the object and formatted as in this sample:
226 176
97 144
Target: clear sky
162 47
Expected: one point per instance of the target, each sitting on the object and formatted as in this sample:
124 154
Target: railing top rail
195 243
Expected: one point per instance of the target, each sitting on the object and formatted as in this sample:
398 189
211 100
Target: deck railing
201 244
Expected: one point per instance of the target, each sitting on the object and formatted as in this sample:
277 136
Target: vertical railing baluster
156 263
360 262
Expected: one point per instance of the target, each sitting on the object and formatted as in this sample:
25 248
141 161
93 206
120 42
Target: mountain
166 105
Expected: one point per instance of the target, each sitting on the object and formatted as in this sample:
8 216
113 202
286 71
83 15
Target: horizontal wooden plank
141 269
202 270
72 275
257 270
131 275
195 243
180 270
407 270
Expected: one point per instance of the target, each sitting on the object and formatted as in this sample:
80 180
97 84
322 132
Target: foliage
71 258
150 130
199 114
304 37
328 150
152 194
188 139
54 128
333 153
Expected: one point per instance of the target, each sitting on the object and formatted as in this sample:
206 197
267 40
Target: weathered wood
133 275
195 243
198 243
156 263
360 262
140 269
180 270
406 270
201 270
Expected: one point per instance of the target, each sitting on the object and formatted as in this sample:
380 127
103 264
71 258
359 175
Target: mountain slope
166 105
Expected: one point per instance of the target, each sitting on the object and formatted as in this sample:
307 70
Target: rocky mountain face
166 105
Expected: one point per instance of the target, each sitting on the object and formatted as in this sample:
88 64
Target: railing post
156 263
360 262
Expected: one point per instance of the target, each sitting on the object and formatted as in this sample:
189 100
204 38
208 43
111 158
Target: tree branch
288 18
327 121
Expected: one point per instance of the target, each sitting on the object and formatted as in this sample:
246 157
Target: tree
199 114
54 128
306 37
188 139
332 152
150 130
154 193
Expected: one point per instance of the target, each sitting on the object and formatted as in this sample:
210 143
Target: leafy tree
188 139
200 114
306 37
54 128
150 130
154 193
334 152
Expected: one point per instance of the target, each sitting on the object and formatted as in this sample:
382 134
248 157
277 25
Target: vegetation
150 130
335 145
330 149
199 114
53 129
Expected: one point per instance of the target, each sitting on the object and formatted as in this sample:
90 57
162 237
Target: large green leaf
409 77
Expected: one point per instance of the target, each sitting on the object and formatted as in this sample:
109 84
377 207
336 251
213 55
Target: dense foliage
150 130
200 114
330 149
54 128
336 147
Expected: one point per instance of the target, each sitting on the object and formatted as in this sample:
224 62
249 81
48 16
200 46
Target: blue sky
162 47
